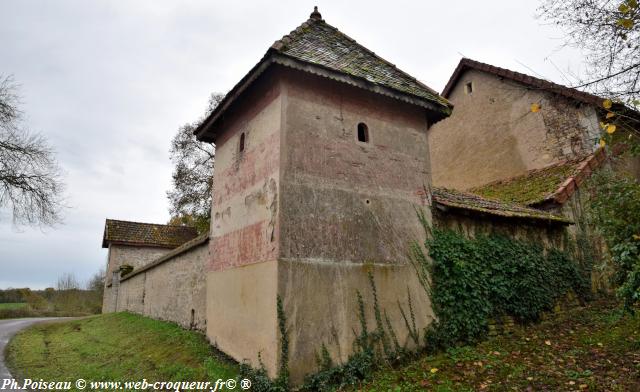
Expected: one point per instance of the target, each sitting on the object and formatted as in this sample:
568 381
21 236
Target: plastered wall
118 255
493 134
348 209
173 290
241 272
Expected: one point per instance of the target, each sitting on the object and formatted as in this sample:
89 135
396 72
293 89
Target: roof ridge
281 43
318 48
584 169
385 61
150 224
543 84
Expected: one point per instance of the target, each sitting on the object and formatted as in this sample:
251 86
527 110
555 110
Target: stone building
515 138
494 134
133 245
322 166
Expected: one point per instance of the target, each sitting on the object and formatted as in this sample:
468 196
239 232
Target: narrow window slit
363 133
468 87
241 148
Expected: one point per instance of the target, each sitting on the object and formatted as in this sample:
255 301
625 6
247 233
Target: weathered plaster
493 134
173 290
118 255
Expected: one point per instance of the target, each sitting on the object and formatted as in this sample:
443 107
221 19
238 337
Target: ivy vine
490 276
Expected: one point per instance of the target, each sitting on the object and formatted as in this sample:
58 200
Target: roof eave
484 212
206 131
107 243
438 111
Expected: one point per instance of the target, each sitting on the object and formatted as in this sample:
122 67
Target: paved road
7 329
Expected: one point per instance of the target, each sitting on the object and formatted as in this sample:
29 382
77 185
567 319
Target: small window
468 88
241 147
363 133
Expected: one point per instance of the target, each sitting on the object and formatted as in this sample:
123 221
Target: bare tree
30 179
190 197
67 281
96 283
608 31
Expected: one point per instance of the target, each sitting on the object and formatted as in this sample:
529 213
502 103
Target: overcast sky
109 82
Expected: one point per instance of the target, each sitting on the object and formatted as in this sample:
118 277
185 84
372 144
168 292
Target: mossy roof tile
552 183
475 203
146 234
317 42
318 48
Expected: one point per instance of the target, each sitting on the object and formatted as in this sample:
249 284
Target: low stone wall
170 288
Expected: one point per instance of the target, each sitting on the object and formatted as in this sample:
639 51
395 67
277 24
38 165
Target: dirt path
7 329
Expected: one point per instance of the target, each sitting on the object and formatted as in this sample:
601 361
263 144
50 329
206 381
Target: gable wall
492 133
118 255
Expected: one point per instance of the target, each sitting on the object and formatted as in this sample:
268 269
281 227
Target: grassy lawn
590 349
115 347
16 305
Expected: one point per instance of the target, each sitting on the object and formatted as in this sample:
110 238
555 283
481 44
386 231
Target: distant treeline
21 295
67 299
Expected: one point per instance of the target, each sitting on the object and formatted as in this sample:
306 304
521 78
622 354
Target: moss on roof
317 42
531 188
149 234
471 202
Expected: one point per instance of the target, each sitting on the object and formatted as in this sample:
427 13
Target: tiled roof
534 82
319 43
146 234
555 183
321 49
474 203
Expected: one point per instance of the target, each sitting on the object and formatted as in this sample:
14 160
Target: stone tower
322 163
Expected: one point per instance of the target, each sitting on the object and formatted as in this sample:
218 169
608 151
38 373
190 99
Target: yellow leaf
607 103
434 370
626 23
611 129
602 143
547 342
610 114
636 237
535 108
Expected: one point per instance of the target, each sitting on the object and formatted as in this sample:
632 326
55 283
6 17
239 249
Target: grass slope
115 347
593 348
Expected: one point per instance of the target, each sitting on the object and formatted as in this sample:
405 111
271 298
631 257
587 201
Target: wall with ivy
474 279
